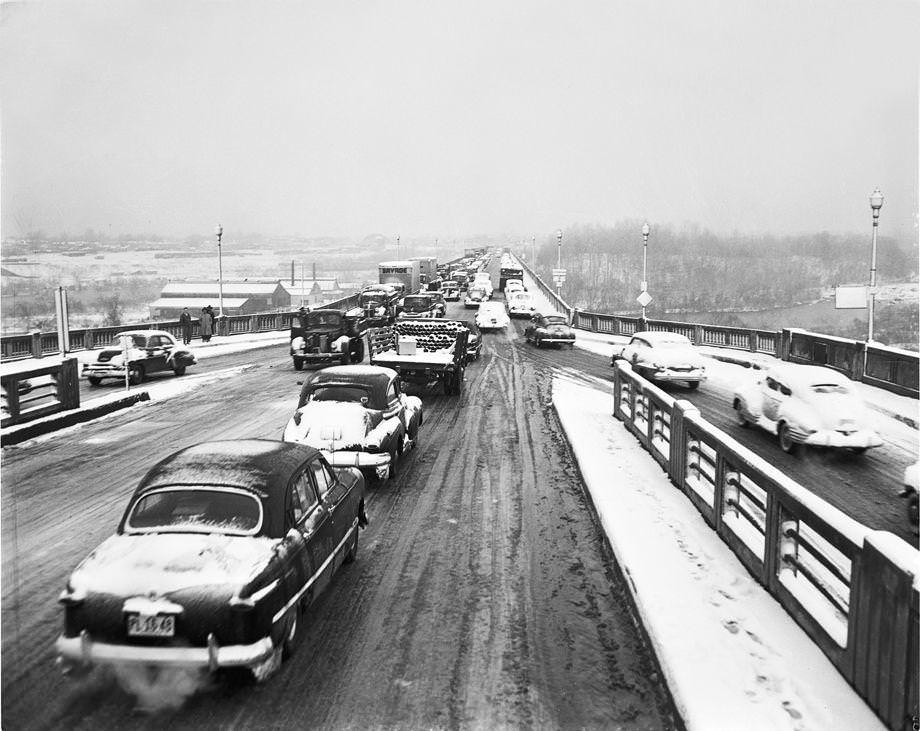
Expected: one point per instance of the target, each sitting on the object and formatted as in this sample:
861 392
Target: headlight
298 343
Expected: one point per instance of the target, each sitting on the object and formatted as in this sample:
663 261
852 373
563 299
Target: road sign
851 297
558 273
643 299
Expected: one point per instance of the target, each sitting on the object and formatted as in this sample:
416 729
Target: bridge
538 561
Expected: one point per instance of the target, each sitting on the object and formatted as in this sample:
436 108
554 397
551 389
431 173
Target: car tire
298 364
538 342
912 509
293 631
740 418
394 464
693 385
447 385
179 371
357 353
785 441
136 374
94 380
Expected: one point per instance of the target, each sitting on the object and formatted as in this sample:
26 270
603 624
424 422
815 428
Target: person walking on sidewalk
215 321
205 323
185 320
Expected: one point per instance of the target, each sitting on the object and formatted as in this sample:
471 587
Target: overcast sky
452 118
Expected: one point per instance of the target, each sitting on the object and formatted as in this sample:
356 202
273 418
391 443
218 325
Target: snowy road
483 594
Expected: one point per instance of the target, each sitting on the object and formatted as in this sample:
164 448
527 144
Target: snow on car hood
329 425
676 357
838 410
129 565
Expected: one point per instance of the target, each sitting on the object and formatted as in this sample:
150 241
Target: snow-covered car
475 296
148 351
358 416
910 488
663 356
492 316
514 285
806 404
220 551
520 304
484 280
549 329
451 290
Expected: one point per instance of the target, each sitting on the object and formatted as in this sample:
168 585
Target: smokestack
292 272
314 271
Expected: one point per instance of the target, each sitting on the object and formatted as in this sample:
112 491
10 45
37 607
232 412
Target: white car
520 304
492 316
514 285
484 280
475 296
141 352
805 404
663 356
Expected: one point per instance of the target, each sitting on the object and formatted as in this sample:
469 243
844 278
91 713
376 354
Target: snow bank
732 656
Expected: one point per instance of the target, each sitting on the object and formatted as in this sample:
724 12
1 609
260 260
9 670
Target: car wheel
345 359
447 384
538 342
179 370
298 364
352 553
357 354
859 450
293 634
740 419
394 464
136 373
693 385
94 380
912 508
785 440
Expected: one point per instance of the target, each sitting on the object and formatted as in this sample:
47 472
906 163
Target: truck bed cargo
423 352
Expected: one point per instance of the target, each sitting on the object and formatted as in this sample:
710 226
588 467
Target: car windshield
416 304
134 341
554 320
477 293
375 298
336 392
835 388
196 510
671 343
323 319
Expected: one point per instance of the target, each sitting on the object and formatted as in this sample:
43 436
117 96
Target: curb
69 418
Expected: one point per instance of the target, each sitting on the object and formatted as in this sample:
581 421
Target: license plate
151 625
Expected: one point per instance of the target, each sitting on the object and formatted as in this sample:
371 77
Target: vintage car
451 290
910 487
519 304
663 356
475 296
492 316
514 285
378 303
359 417
148 351
483 280
326 336
221 549
422 305
806 404
549 329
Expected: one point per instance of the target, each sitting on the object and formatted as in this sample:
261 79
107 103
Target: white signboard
63 320
558 273
644 299
851 296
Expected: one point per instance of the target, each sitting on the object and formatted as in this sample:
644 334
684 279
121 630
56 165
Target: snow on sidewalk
731 655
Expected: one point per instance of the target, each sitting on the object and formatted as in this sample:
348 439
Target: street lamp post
219 230
397 247
646 230
559 260
533 253
875 201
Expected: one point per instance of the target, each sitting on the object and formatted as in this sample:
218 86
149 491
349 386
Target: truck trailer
405 273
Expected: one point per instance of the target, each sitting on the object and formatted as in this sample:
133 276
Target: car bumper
103 371
317 357
838 440
84 650
345 458
555 339
669 375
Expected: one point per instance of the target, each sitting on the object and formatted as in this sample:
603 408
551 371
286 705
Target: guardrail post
677 455
784 344
68 385
752 341
36 345
253 323
884 634
697 335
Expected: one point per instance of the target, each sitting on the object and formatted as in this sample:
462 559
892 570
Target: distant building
314 291
240 297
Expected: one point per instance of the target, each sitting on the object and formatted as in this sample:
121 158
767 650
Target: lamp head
219 230
559 235
875 201
646 229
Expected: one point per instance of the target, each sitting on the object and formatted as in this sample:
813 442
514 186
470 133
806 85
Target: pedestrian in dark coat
214 320
185 321
205 324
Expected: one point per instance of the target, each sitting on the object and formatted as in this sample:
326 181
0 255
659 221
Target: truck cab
328 337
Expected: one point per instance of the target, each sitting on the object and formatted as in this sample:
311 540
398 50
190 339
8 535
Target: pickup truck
423 352
328 337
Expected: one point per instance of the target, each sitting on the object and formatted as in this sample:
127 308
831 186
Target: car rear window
196 510
350 394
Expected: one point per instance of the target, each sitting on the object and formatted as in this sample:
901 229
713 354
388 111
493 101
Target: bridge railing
37 345
38 392
850 588
878 365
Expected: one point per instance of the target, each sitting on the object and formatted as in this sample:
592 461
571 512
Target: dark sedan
222 547
549 329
